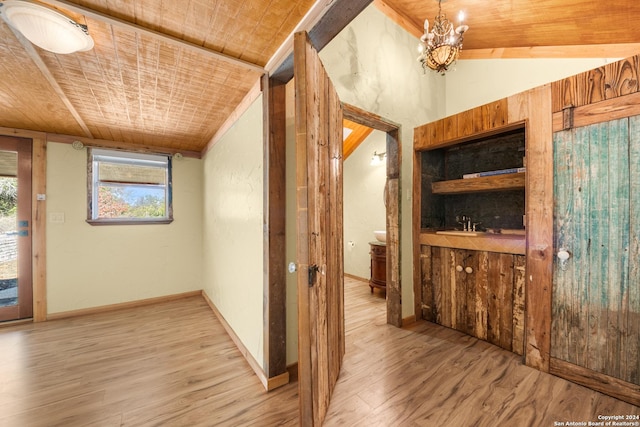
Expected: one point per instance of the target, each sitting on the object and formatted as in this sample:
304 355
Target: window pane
130 188
131 202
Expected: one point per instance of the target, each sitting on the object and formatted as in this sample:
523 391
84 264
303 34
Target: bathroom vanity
472 234
378 265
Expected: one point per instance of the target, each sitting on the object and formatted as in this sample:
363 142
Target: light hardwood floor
172 364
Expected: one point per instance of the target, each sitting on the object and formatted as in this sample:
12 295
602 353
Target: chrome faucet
465 221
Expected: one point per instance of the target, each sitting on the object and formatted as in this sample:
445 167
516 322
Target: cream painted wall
372 64
477 82
233 238
91 266
363 204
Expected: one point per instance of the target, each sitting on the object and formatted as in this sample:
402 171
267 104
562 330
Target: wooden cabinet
378 266
488 129
567 307
480 293
494 201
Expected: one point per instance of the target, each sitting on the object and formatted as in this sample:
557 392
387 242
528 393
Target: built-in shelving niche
492 202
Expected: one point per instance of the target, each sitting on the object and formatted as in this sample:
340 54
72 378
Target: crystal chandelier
439 48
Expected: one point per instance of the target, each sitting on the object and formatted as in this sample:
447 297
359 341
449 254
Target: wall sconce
378 158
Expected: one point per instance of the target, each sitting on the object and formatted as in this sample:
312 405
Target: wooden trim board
116 145
408 321
606 384
609 109
274 200
268 383
354 277
39 228
120 306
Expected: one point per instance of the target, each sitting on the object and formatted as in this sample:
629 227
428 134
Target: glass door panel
16 301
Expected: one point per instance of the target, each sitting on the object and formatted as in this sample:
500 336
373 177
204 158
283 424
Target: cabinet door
500 279
464 290
479 293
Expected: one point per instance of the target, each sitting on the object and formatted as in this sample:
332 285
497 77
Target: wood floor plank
172 364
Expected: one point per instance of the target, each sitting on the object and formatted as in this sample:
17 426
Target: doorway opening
391 200
16 290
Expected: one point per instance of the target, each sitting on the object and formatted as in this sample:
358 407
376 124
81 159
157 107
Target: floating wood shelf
511 181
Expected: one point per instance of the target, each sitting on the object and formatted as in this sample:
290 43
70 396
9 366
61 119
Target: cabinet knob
458 268
469 270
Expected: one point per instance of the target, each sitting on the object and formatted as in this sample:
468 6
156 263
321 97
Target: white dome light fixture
45 27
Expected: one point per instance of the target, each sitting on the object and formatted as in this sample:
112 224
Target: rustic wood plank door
318 121
596 292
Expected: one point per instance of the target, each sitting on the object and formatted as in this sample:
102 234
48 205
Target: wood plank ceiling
168 74
525 28
136 88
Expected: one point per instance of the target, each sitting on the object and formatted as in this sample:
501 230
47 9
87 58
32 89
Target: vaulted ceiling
527 28
170 73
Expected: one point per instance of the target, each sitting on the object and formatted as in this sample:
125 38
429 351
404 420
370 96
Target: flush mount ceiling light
439 48
45 27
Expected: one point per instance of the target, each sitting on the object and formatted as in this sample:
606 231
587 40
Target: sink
381 235
460 233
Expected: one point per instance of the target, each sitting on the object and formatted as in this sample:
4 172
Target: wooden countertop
504 243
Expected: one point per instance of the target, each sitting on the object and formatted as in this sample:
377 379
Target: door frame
23 149
38 217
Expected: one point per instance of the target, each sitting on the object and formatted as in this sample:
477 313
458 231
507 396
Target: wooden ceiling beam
399 18
622 50
117 145
37 60
174 41
314 14
332 20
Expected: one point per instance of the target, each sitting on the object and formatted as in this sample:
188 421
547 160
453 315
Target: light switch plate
56 217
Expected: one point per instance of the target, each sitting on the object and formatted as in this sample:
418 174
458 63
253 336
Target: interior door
318 121
596 298
16 291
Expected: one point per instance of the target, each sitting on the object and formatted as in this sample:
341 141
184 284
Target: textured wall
477 82
372 64
91 266
233 238
364 209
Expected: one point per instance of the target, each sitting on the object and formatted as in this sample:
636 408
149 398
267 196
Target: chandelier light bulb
461 16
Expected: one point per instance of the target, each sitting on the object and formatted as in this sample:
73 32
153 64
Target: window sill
128 221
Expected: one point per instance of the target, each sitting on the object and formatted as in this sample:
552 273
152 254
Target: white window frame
96 155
